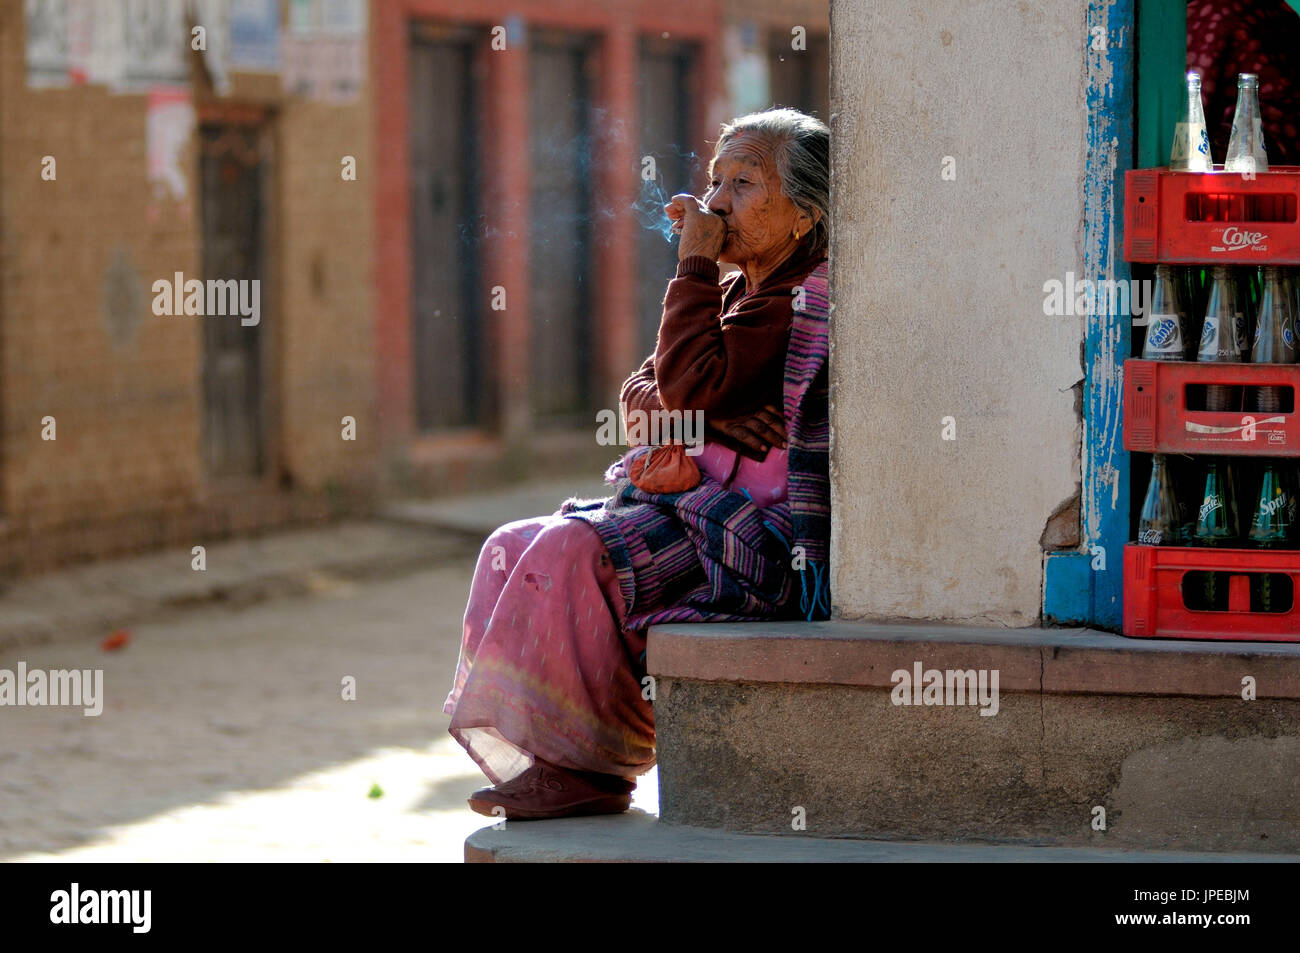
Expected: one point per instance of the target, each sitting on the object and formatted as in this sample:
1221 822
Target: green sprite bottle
1273 523
1217 523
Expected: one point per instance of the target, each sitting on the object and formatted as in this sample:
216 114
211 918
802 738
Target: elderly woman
551 697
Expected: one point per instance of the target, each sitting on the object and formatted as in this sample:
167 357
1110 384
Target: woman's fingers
680 205
738 431
772 417
759 432
765 432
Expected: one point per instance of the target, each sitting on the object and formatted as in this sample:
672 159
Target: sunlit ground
224 736
326 816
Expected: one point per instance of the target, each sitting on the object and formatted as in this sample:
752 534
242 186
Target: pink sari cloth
547 669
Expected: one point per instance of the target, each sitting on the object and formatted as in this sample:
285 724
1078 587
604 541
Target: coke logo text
1235 239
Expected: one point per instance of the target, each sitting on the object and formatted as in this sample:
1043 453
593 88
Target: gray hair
801 148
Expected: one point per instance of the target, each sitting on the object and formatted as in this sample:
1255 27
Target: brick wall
124 385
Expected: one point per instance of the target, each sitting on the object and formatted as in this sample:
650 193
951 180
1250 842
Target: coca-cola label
1241 239
1151 537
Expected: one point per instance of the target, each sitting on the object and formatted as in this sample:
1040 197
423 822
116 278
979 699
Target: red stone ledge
1061 661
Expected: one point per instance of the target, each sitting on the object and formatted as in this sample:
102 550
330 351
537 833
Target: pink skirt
545 668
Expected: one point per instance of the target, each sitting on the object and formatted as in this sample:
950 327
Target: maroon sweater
721 347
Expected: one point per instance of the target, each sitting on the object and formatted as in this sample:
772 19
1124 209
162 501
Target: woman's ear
804 223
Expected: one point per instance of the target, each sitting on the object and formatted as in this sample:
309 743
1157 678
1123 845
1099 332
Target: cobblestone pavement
225 737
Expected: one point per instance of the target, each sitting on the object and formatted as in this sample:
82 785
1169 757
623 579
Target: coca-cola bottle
1165 340
1191 148
1275 338
1222 337
1273 525
1246 151
1216 522
1160 521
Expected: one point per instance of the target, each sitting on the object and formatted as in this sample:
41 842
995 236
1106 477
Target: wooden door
233 180
665 121
801 79
449 347
560 230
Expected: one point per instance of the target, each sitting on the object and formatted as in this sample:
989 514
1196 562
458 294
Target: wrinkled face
745 190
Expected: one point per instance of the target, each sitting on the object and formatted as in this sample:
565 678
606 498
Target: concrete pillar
938 291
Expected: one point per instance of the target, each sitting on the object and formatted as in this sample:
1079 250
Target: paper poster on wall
325 51
343 17
214 17
155 44
46 23
304 16
169 125
255 35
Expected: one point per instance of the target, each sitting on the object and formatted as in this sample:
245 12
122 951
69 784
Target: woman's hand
759 431
703 233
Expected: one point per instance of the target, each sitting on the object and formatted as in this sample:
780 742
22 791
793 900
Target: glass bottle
1222 337
1275 338
1165 329
1158 524
1246 147
1273 524
1191 148
1217 523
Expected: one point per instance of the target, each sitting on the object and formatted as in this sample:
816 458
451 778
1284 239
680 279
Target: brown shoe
546 791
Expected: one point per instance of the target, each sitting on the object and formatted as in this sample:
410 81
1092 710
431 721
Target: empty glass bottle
1191 148
1246 151
1165 340
1222 337
1275 337
1159 522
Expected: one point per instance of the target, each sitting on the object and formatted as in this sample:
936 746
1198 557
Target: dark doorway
234 180
801 79
666 124
561 223
449 343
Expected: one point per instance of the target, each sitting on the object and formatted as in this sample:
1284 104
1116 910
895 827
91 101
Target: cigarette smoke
649 209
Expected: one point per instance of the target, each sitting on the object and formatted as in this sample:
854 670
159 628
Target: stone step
760 724
638 837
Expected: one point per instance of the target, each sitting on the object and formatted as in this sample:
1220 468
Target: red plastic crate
1156 418
1154 606
1212 218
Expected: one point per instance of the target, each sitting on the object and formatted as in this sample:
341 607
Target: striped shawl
711 555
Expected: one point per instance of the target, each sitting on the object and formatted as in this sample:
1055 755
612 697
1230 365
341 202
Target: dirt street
224 735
